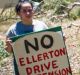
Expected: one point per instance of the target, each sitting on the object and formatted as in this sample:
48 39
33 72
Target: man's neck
28 22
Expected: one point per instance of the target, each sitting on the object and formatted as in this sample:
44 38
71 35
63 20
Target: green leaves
3 52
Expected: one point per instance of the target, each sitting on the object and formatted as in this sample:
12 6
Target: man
24 10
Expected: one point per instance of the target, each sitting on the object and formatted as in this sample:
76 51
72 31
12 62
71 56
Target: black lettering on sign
28 44
47 45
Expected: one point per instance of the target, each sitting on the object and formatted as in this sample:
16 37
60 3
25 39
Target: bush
58 6
3 53
75 13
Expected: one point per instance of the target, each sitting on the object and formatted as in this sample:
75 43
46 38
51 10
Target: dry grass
5 25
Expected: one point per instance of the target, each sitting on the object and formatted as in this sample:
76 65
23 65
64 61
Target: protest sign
42 53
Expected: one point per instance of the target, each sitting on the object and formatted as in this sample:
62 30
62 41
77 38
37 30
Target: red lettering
39 57
28 61
21 61
36 68
42 67
56 53
51 73
44 74
57 72
51 54
47 66
63 51
45 56
64 72
54 65
34 59
29 71
68 70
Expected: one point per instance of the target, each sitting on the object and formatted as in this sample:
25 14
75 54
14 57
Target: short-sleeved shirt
19 28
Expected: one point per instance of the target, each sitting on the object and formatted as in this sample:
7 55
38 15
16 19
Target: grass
4 25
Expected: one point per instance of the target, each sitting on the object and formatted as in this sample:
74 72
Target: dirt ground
71 32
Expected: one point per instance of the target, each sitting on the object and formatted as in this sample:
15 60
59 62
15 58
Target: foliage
75 13
7 13
70 0
37 0
3 52
58 6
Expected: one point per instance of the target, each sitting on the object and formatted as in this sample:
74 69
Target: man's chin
29 16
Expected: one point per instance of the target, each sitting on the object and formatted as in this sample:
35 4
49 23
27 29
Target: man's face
26 11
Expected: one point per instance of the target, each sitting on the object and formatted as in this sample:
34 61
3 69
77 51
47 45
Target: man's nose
27 13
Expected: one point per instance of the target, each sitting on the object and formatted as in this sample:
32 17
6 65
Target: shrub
75 13
3 53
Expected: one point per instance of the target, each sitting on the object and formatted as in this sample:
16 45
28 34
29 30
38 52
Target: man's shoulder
14 25
38 22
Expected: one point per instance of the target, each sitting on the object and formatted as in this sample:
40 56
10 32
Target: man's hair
18 6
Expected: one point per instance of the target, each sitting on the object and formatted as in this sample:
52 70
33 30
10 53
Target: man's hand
8 45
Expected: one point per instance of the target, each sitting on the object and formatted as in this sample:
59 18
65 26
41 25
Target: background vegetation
50 8
65 13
